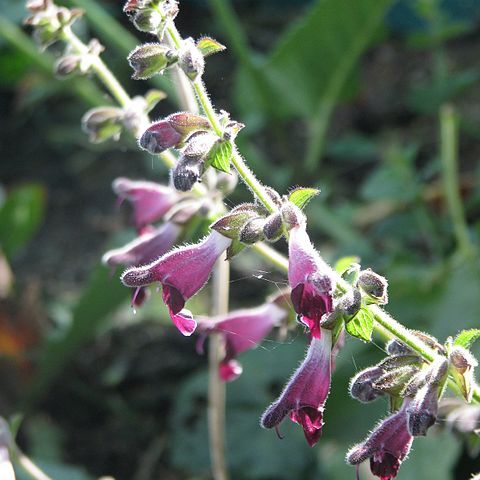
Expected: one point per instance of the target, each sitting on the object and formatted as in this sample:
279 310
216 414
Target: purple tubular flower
144 249
387 446
242 330
311 288
150 201
159 137
182 273
304 396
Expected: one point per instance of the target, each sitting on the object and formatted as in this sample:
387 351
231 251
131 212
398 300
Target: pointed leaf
361 326
209 46
220 155
466 338
234 249
301 196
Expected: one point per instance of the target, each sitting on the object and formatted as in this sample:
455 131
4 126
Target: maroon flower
387 446
182 273
242 330
311 288
150 201
304 396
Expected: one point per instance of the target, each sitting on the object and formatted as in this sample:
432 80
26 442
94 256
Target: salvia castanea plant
421 379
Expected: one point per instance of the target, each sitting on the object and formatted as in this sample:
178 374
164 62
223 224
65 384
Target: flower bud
186 123
103 123
351 274
462 364
67 65
347 307
361 386
374 285
159 136
393 381
186 173
252 231
422 410
292 216
274 197
191 60
147 20
231 224
273 228
150 59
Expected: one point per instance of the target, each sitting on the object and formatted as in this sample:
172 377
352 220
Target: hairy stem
216 387
243 170
102 71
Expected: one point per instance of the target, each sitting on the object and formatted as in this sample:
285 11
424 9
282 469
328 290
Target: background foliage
337 94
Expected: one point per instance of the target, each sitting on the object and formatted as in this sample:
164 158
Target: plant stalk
449 157
32 470
216 387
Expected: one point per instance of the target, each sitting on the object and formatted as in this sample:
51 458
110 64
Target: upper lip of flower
304 396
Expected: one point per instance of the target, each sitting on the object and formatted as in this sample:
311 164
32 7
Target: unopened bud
67 65
292 216
103 123
274 197
231 224
422 410
361 386
150 59
186 123
191 60
252 231
273 228
159 136
186 173
393 381
345 310
147 20
374 285
462 365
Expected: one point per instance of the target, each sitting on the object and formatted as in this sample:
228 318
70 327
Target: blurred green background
345 95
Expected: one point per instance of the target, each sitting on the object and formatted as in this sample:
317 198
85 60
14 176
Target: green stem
449 157
243 170
102 71
216 387
27 465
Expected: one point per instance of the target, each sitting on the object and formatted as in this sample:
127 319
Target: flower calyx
49 20
151 59
151 16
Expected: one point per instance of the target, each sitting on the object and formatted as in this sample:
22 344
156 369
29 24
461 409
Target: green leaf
101 297
209 46
220 155
361 326
313 62
152 97
20 217
342 264
466 338
235 248
301 196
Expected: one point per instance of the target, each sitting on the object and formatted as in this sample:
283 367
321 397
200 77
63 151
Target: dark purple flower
311 287
242 330
150 201
182 273
386 447
304 396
